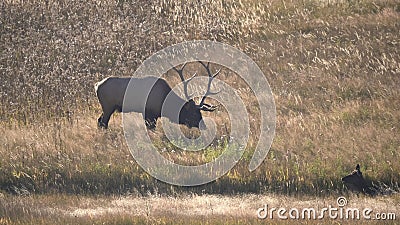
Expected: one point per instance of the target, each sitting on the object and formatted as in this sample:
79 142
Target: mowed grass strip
333 67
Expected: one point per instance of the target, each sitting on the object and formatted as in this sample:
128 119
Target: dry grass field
185 209
333 66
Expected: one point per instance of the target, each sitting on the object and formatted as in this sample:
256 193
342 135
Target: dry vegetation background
333 66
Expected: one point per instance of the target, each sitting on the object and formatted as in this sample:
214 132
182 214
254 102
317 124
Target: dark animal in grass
111 92
356 182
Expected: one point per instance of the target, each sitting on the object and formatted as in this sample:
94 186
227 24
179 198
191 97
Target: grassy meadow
333 66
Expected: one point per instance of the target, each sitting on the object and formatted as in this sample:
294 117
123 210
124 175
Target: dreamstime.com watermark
338 212
224 56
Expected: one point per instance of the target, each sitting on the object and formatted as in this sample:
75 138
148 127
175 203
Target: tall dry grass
333 67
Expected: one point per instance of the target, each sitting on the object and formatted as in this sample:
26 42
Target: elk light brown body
149 96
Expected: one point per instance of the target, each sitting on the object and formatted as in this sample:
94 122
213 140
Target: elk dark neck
173 107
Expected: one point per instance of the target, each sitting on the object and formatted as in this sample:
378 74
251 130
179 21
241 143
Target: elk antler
203 106
185 82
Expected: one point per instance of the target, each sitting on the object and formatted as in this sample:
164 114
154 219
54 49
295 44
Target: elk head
190 114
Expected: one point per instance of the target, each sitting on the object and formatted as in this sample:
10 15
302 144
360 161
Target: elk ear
189 104
358 167
358 170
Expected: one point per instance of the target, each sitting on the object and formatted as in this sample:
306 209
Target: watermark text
330 212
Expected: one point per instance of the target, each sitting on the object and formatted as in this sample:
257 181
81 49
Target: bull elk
111 91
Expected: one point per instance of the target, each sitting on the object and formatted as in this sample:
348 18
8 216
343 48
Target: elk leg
104 118
100 121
